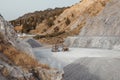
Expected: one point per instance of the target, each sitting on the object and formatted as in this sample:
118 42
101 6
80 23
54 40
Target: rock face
16 58
106 23
101 31
94 42
7 30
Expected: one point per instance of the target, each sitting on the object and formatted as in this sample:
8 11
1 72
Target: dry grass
26 62
95 7
18 57
18 28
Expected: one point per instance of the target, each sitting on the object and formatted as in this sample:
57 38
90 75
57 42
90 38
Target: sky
12 9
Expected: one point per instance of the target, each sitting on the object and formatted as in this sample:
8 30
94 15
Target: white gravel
100 68
61 59
83 63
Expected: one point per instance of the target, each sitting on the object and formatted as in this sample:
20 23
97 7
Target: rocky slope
70 21
77 14
106 23
7 30
101 31
17 61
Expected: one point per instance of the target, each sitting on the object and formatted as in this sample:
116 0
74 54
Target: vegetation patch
31 20
49 35
67 22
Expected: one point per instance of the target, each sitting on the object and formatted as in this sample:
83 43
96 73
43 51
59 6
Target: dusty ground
102 68
83 63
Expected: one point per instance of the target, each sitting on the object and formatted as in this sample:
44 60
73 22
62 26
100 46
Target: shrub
103 3
44 30
59 21
50 22
67 21
72 15
56 29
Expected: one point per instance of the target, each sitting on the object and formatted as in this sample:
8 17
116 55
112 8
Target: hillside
76 16
17 61
30 21
69 21
106 23
101 31
90 44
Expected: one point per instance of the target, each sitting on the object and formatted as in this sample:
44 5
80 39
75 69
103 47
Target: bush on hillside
50 23
67 21
56 29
